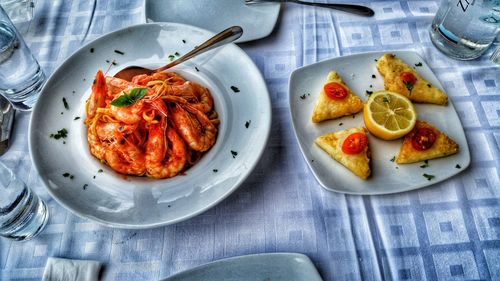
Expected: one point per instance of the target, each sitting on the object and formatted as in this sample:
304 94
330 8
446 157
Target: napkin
58 269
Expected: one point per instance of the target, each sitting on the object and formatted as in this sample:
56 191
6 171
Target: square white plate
387 176
257 21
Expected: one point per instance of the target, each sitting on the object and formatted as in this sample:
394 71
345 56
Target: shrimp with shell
156 125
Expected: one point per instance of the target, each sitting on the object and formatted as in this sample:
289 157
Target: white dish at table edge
387 176
139 202
267 266
257 21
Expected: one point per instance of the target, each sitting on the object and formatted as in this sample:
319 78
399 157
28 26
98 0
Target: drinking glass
18 10
464 29
23 214
21 77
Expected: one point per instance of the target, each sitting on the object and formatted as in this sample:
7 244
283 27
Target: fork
354 9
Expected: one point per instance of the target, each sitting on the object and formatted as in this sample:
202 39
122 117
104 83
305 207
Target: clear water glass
464 29
18 10
23 214
21 77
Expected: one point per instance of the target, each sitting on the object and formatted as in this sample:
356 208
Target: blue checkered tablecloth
450 231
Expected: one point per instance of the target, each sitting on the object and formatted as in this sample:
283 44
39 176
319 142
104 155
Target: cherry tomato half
423 138
335 91
355 143
408 78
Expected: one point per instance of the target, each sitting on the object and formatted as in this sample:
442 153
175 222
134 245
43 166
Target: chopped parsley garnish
235 89
100 171
429 85
373 76
369 92
215 170
385 99
71 177
196 69
393 158
85 186
418 64
340 124
409 86
66 175
113 63
458 166
73 91
65 102
353 116
234 153
303 97
177 54
371 86
107 61
91 50
171 57
425 165
131 98
376 59
429 177
77 117
183 41
63 133
247 123
119 52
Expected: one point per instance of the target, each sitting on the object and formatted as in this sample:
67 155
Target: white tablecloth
449 231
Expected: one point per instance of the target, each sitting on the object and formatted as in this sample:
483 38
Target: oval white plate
387 176
139 202
257 20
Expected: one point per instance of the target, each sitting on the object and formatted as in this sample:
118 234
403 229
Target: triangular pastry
401 78
329 108
356 161
425 142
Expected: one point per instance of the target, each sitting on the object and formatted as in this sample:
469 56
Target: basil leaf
138 93
131 98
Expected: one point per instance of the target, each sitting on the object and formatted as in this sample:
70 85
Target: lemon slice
389 115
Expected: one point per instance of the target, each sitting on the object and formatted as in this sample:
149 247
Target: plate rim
376 192
236 185
240 40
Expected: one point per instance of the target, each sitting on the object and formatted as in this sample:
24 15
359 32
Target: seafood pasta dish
157 125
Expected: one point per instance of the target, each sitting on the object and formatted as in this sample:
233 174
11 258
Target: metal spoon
354 9
222 38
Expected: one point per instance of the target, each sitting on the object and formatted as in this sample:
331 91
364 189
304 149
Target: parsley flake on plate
429 177
235 89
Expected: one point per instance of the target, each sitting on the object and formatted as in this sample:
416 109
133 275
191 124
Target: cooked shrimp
198 96
98 97
158 134
121 162
171 77
165 155
194 127
109 130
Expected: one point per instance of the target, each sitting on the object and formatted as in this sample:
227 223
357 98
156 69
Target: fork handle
354 9
226 36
